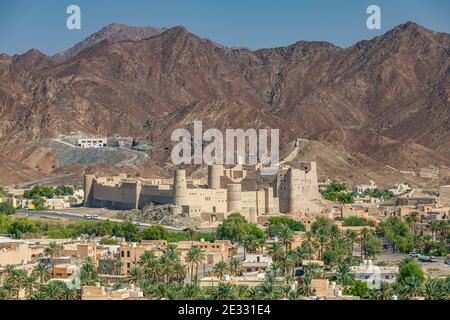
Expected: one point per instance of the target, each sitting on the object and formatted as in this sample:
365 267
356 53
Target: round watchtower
294 190
214 174
180 188
234 197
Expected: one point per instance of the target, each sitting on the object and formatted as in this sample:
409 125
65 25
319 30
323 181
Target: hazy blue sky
234 23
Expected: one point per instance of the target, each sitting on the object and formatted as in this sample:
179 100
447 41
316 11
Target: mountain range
379 109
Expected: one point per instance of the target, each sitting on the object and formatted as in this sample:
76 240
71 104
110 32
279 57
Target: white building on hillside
92 142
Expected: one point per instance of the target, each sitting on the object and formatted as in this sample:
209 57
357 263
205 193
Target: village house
18 252
98 292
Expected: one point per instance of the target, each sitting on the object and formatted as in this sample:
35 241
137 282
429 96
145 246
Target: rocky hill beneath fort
377 105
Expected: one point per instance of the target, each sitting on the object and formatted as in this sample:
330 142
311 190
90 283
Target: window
128 254
123 254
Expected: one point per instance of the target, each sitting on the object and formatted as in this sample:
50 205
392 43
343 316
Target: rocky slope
380 102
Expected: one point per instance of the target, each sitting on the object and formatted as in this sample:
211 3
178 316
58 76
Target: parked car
447 260
413 254
427 258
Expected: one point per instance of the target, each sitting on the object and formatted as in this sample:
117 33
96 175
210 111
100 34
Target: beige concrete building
17 252
219 250
249 189
99 292
130 253
80 250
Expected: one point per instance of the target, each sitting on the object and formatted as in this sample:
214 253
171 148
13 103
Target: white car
413 254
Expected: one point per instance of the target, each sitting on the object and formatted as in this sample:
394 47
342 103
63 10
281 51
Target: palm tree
30 284
191 292
147 286
443 230
344 275
285 290
71 293
224 291
434 227
323 236
249 243
118 264
305 252
191 233
253 293
334 232
174 292
220 268
268 291
17 278
9 269
352 236
314 270
435 289
160 290
289 261
135 274
88 272
43 272
10 290
305 288
412 218
241 291
147 257
52 249
179 270
235 264
384 292
286 236
55 290
410 287
172 252
194 257
276 251
293 295
364 237
38 295
166 268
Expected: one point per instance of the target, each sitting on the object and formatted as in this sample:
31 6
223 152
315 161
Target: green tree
155 232
42 272
88 272
63 190
410 287
410 269
358 289
194 257
224 291
344 275
220 269
286 236
373 247
22 226
7 209
135 274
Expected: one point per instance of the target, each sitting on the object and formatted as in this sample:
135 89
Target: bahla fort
247 189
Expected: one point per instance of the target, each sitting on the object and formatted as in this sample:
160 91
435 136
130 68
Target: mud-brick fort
249 189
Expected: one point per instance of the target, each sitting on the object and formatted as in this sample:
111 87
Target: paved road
31 184
76 216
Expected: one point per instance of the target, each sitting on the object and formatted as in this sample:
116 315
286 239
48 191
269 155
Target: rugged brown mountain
114 32
383 102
